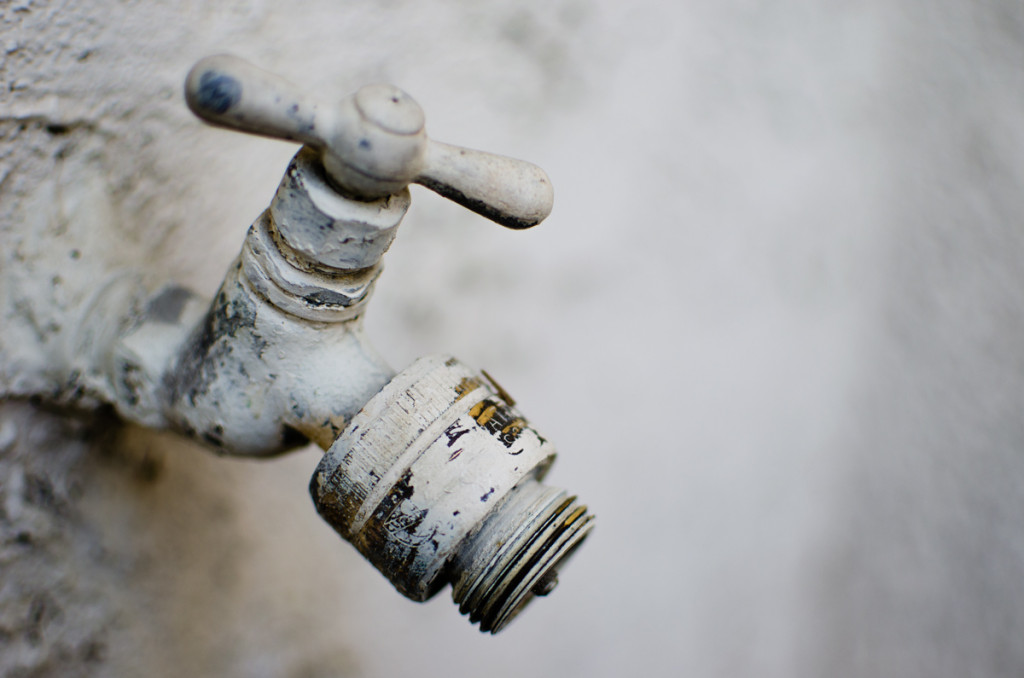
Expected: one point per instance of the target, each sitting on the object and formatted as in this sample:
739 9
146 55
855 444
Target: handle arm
230 92
511 192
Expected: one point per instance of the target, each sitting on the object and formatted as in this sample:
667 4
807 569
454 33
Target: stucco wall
773 326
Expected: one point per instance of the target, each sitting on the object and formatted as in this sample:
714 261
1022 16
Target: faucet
432 473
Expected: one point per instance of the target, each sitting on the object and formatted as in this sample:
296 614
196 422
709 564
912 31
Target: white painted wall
773 325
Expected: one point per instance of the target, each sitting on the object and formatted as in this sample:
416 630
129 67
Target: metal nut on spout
438 480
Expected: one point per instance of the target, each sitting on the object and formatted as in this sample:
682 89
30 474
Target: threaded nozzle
517 552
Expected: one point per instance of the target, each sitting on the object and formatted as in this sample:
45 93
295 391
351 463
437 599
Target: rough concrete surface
773 326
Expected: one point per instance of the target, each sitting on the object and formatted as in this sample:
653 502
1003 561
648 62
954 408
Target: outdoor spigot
432 473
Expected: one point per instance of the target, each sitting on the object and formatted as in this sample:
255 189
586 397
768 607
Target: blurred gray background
774 326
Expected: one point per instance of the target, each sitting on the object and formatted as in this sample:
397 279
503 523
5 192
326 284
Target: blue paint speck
218 92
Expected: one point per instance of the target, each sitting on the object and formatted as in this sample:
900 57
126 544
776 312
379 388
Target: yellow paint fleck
516 425
465 386
486 415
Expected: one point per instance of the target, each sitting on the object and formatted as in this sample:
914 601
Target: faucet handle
372 143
